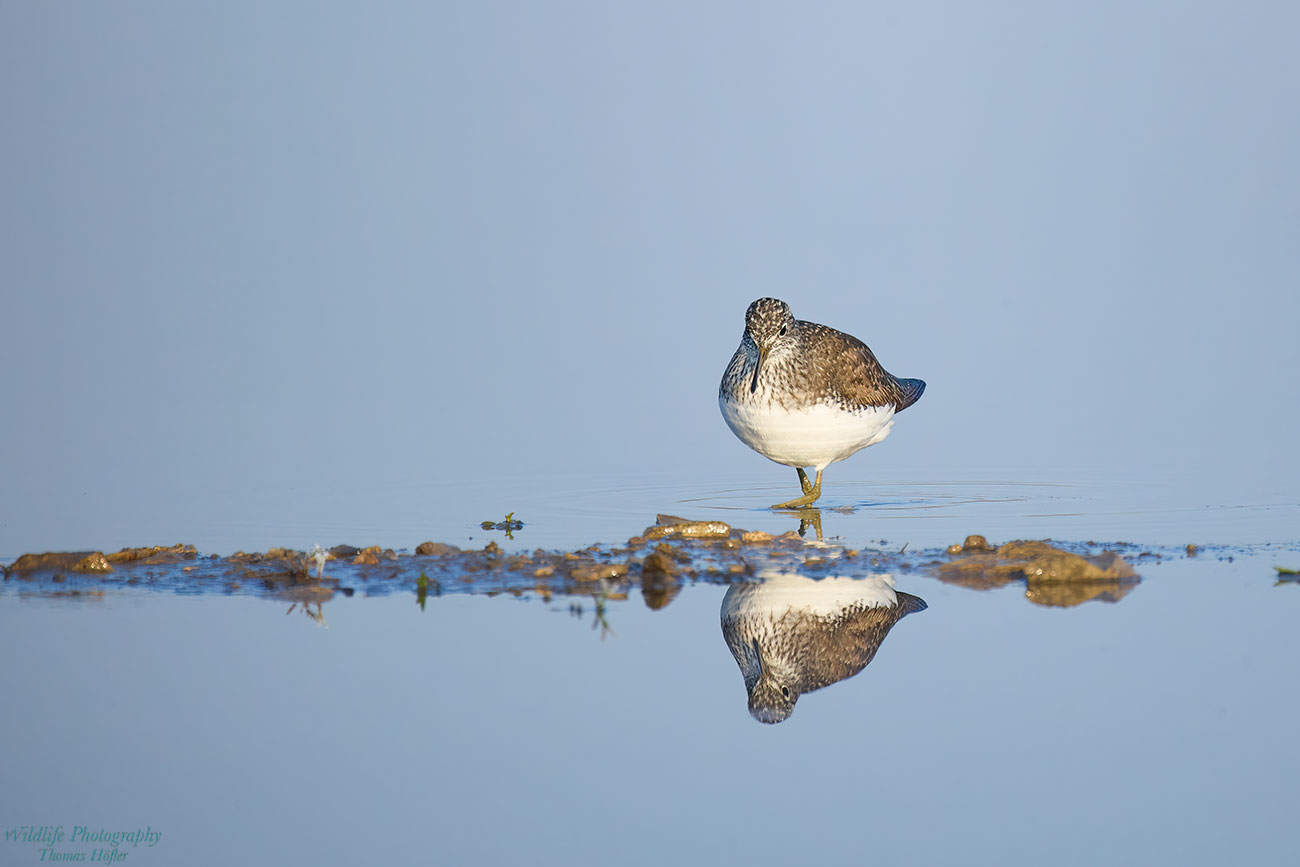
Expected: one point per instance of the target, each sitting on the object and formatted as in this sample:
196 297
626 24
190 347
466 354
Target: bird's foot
811 493
798 502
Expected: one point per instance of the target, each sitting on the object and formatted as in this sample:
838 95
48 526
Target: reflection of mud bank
1052 576
657 562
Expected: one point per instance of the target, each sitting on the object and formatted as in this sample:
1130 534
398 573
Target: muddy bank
1051 576
653 564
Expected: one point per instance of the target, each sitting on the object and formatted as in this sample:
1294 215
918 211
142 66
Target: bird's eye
785 691
783 331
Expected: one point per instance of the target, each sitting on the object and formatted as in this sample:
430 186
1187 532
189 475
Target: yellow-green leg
810 492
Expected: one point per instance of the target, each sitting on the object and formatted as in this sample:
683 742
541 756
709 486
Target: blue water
502 730
574 511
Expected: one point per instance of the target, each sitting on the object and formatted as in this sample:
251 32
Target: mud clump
689 530
598 571
277 566
1040 561
436 549
96 562
659 562
155 555
89 562
1043 562
373 556
974 543
1052 576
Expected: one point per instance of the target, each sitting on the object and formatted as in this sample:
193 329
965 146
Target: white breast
814 436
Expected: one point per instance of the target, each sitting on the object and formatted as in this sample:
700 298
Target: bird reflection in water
791 634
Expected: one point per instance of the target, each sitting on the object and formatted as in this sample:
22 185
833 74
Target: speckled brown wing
852 375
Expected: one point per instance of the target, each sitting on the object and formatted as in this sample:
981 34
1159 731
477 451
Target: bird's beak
762 356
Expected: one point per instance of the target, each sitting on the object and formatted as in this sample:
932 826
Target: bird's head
769 324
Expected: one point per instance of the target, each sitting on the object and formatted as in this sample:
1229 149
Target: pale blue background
259 259
297 273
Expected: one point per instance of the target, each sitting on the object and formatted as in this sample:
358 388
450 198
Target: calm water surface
986 729
574 510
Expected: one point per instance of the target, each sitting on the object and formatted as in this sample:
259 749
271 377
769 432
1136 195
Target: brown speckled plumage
807 363
806 395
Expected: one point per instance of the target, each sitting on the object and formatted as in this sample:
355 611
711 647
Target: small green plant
509 525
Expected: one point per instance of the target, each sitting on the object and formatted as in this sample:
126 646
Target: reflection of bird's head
771 702
771 695
792 635
768 324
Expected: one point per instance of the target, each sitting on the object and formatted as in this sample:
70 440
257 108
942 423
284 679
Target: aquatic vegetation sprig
509 525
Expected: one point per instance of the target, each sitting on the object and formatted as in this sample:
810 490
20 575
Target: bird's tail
912 390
